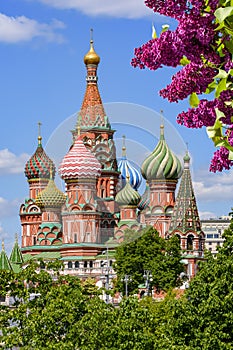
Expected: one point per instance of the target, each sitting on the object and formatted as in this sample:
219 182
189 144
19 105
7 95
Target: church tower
185 223
96 131
161 169
80 216
37 170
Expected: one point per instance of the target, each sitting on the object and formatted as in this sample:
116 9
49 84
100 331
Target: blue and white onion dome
125 167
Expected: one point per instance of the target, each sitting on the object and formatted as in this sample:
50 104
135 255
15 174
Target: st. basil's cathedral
101 198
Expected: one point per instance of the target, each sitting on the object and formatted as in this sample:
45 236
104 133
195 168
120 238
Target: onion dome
124 166
186 160
79 162
91 57
162 163
51 196
39 165
145 198
128 196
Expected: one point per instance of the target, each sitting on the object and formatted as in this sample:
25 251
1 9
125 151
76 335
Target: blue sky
42 78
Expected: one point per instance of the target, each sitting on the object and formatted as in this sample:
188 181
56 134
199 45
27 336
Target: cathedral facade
83 225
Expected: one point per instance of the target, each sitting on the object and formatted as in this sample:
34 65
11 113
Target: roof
162 163
79 162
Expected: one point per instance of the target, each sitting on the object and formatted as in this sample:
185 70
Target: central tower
96 131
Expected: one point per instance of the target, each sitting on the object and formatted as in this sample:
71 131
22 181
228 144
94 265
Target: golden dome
91 57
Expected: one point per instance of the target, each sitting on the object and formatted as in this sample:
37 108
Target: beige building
213 229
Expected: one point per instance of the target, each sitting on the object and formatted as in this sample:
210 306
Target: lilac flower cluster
204 114
192 78
197 39
220 160
167 50
170 8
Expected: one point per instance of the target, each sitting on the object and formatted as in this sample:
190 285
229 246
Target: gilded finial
123 146
127 173
39 133
79 129
161 125
91 57
16 238
51 172
91 35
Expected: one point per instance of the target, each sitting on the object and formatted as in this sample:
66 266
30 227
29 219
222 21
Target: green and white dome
128 196
162 163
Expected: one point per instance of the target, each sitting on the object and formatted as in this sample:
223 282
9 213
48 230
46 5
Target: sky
42 78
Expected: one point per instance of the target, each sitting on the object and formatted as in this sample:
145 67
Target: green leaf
184 61
165 27
222 13
194 100
215 132
221 87
154 34
221 74
230 156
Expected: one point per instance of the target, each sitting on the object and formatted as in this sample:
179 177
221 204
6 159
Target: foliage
67 314
202 44
148 252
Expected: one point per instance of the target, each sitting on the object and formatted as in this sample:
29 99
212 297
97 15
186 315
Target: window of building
209 235
210 243
85 264
76 264
75 238
216 235
70 265
190 239
91 264
210 249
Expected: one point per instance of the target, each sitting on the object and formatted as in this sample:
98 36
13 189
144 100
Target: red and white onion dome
79 162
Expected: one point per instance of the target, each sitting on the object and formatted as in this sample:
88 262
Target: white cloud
9 207
10 163
120 8
214 187
206 215
18 29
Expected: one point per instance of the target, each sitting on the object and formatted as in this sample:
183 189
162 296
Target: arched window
70 265
85 264
76 264
91 264
190 239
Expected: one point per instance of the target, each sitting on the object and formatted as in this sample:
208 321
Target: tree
148 251
202 44
203 317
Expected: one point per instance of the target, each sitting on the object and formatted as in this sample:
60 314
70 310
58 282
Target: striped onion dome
128 196
124 166
145 198
162 163
39 165
51 196
79 162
